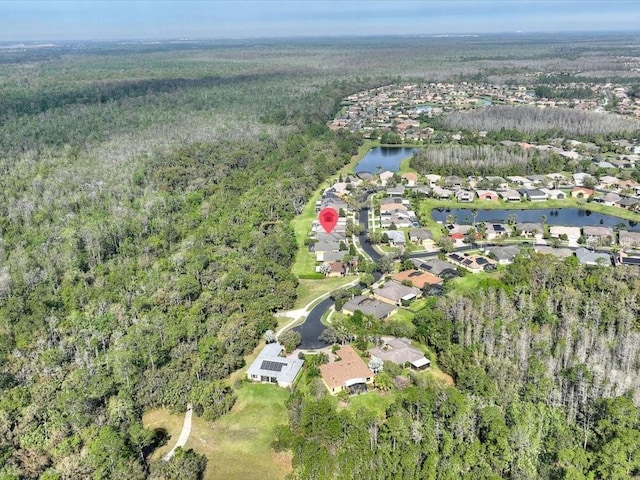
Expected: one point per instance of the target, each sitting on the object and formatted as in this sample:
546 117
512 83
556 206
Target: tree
376 365
269 336
290 339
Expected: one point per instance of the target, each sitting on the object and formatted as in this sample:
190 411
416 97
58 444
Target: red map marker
328 219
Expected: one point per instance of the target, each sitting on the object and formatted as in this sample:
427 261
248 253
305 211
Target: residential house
560 253
529 229
611 199
397 191
623 258
540 181
523 182
510 196
441 193
453 181
629 239
495 230
321 247
554 194
489 195
432 179
396 238
423 237
607 182
587 257
504 255
395 293
438 267
333 256
629 203
401 352
417 278
270 367
572 233
410 179
369 306
458 232
498 182
535 195
473 262
598 236
581 192
336 269
347 372
385 177
465 196
579 178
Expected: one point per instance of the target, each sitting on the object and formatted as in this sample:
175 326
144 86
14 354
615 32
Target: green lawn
471 281
373 401
402 315
308 290
238 445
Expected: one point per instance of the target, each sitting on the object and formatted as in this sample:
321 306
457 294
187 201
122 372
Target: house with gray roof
395 293
270 367
439 267
587 257
401 352
369 306
396 238
598 235
529 229
504 254
536 195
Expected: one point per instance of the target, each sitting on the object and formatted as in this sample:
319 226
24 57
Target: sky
55 20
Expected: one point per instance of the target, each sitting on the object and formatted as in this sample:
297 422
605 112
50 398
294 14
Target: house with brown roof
410 178
629 239
347 372
418 279
487 195
581 192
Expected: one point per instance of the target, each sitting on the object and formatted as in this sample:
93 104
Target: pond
569 217
386 158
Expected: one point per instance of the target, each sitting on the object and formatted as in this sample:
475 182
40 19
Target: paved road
312 327
184 434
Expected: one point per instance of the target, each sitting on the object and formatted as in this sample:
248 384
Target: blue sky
156 19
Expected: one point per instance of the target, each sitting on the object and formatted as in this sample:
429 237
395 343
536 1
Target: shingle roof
349 367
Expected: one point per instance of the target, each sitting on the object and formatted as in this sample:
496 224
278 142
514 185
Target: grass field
309 289
238 445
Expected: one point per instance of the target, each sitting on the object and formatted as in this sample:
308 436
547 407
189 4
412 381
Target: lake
387 158
570 217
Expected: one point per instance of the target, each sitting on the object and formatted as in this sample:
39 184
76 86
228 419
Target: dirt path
184 434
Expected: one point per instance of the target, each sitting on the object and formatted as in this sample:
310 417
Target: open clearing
238 445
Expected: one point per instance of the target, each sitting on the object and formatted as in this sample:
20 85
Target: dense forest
546 364
145 205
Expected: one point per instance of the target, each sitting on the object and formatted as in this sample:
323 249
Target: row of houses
346 371
607 190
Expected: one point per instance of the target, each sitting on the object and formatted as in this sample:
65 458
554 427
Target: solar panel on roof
631 261
415 274
272 366
467 262
498 228
481 261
